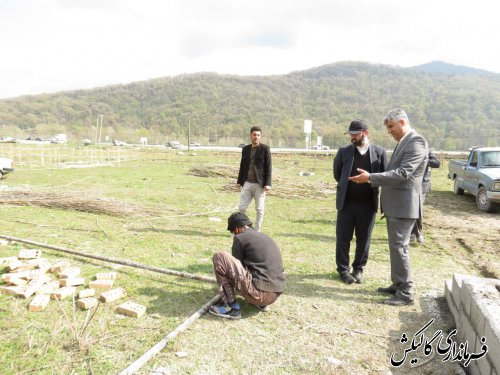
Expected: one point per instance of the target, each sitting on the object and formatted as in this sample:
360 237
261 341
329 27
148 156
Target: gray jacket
401 195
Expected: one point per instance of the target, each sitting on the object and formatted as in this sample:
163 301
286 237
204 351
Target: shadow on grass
307 286
180 301
319 221
309 236
183 232
325 238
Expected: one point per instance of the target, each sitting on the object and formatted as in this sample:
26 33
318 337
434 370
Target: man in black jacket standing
254 177
357 204
254 269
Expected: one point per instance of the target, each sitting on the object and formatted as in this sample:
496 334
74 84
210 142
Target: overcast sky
54 45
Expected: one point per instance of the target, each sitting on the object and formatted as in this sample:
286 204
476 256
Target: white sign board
308 126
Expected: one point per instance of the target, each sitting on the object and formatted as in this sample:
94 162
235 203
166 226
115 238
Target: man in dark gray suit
401 200
357 204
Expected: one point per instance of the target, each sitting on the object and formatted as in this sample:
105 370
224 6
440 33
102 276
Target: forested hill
453 110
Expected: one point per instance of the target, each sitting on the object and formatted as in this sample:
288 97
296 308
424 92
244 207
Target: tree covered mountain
452 110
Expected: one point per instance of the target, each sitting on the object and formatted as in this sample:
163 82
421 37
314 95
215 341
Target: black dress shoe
396 301
358 275
389 289
346 277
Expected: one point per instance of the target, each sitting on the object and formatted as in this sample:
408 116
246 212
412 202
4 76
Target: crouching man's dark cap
357 126
236 220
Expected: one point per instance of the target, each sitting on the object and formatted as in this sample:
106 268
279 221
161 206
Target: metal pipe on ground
141 361
127 263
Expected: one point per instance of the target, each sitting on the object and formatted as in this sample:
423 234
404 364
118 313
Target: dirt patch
77 201
458 225
215 170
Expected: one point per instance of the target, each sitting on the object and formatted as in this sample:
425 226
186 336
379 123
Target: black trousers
358 218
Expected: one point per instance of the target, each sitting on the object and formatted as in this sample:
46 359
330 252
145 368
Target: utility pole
189 132
98 130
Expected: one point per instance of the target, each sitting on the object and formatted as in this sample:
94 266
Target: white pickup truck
5 166
478 175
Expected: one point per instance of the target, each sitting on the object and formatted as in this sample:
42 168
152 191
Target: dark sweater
261 256
359 192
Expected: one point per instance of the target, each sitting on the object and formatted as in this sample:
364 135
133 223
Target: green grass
316 319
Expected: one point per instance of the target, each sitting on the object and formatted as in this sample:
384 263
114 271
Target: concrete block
34 285
59 266
25 267
131 309
49 287
484 296
12 265
12 290
39 302
29 253
465 298
70 272
483 364
6 260
43 266
467 334
63 292
457 286
87 302
72 282
17 281
477 316
106 276
6 277
28 275
451 301
101 284
492 334
86 293
473 369
112 295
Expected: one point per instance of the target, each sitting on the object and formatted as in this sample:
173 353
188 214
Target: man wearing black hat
254 269
357 204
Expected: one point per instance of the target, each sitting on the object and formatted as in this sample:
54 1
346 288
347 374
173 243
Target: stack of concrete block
26 276
475 305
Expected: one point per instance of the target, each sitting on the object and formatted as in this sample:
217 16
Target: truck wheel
482 201
456 189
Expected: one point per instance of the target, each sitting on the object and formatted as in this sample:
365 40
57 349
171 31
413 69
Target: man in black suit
254 177
357 204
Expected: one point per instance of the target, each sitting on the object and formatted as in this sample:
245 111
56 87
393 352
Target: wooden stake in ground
134 367
113 260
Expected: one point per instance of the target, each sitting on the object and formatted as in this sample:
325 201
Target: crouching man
254 270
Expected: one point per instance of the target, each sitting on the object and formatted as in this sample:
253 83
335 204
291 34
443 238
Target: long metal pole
142 360
96 129
112 260
100 129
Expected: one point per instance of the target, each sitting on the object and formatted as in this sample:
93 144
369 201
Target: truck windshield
491 159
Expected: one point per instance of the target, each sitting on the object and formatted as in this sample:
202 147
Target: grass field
171 223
